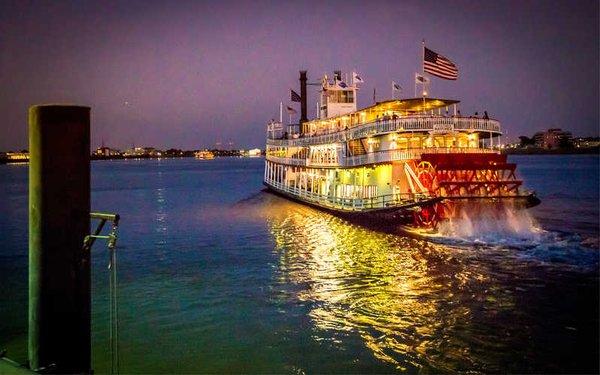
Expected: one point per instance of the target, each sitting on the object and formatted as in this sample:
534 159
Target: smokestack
303 108
337 75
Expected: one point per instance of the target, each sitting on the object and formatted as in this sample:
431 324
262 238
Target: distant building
586 142
14 157
106 152
553 139
142 152
513 145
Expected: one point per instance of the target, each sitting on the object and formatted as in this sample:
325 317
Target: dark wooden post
59 220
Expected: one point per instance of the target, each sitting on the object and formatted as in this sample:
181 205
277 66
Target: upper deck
408 115
415 123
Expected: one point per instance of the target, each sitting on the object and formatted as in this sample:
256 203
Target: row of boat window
374 145
340 96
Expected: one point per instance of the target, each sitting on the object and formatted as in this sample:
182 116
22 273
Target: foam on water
503 227
484 223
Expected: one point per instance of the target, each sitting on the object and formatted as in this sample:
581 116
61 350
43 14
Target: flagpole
416 84
392 90
423 74
423 58
281 112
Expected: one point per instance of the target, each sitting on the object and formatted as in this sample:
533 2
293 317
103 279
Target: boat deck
382 202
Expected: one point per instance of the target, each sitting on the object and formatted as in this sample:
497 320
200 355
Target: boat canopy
412 105
401 107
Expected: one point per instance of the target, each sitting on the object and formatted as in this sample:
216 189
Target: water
217 276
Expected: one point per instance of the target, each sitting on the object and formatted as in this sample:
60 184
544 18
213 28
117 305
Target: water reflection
417 305
161 215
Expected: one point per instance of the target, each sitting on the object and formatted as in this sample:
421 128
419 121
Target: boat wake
502 229
492 225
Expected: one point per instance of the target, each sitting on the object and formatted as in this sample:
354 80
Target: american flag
291 111
295 97
439 65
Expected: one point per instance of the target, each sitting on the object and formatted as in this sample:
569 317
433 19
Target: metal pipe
105 216
59 220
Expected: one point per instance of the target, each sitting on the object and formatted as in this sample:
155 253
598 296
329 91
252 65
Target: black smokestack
303 117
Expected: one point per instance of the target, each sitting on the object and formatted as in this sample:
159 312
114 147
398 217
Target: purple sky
188 74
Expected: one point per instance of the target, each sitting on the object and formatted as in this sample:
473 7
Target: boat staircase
356 147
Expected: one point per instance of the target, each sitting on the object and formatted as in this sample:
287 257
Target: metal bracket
89 240
111 238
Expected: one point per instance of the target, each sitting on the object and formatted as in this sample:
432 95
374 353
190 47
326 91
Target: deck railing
406 124
351 204
380 156
287 161
408 154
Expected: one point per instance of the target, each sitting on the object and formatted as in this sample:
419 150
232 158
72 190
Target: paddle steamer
416 161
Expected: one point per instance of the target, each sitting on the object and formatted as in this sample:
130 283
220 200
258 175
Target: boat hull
404 216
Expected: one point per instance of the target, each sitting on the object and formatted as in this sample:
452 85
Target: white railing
312 163
382 156
287 161
351 204
404 124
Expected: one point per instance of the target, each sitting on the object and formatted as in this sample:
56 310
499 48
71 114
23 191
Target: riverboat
416 161
204 154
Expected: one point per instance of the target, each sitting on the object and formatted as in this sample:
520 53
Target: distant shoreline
541 151
121 157
506 151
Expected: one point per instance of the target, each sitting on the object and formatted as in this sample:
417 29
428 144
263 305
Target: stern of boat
464 180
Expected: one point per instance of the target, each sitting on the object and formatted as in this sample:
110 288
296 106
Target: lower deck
428 187
356 189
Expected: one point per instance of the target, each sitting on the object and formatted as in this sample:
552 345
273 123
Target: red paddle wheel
429 216
459 176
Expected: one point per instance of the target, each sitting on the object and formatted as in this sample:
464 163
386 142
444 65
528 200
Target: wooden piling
59 219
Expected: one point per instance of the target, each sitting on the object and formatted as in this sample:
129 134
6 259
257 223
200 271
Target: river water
217 276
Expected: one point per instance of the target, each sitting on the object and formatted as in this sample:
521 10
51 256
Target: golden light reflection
410 301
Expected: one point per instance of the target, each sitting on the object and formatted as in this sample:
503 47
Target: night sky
190 74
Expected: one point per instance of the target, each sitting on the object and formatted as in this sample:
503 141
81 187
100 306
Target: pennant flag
396 86
356 78
342 84
291 111
439 65
295 97
421 79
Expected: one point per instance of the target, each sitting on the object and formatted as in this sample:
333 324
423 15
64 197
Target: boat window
341 96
